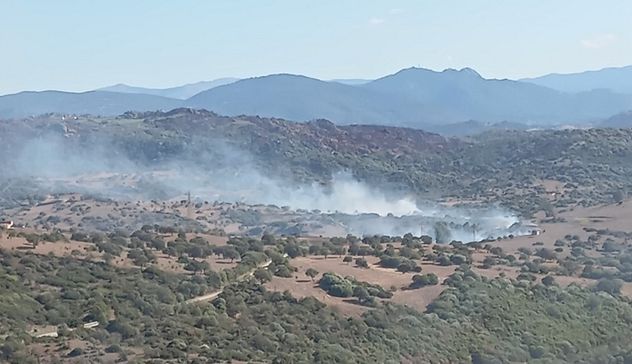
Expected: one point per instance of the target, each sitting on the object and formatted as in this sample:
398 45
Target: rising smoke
229 175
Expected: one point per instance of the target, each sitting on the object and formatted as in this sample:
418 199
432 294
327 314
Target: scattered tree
311 273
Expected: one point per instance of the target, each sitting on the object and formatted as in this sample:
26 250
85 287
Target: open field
88 251
301 285
72 211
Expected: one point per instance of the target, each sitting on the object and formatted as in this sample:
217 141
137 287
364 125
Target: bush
387 261
443 260
548 281
612 286
423 280
458 259
362 263
263 275
406 266
114 348
75 352
338 286
546 254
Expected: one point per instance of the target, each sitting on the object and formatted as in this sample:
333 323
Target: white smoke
229 175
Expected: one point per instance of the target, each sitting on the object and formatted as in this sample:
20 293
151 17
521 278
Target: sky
82 45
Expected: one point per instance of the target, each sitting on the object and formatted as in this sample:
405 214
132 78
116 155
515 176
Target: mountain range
413 97
92 102
616 79
180 92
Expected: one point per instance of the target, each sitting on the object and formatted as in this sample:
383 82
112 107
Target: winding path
212 296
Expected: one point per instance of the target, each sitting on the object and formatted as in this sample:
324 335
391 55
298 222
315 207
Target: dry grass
301 286
86 251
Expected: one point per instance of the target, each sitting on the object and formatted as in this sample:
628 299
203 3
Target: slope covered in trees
509 165
475 320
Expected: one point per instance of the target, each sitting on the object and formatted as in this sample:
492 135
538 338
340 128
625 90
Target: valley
336 233
318 182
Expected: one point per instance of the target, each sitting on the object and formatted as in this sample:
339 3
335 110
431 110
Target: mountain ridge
617 79
177 92
411 97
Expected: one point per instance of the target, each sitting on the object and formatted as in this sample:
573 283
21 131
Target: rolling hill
93 102
621 120
302 98
591 163
616 79
179 92
413 97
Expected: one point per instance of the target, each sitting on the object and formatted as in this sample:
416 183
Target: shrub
423 280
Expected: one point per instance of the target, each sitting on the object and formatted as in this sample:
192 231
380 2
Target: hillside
465 95
302 98
134 276
104 103
499 165
124 303
412 97
621 120
616 79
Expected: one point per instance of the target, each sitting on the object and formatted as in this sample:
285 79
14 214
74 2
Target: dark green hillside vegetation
365 293
506 166
475 320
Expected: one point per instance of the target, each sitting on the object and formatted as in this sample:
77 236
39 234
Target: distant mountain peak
470 71
448 71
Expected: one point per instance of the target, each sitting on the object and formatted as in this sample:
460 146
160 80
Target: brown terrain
72 212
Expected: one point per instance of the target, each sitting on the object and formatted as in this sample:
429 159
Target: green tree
311 273
362 294
197 266
406 266
362 263
263 275
458 259
612 286
231 253
548 281
423 280
546 254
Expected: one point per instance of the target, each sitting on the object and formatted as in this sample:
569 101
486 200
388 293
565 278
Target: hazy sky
81 45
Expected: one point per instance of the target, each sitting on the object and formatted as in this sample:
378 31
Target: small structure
44 331
533 229
90 325
6 224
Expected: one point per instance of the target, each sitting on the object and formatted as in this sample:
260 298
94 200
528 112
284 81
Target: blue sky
81 45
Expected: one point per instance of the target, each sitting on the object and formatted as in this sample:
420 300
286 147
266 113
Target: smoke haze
229 175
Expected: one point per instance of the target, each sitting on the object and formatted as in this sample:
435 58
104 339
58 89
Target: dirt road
212 296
